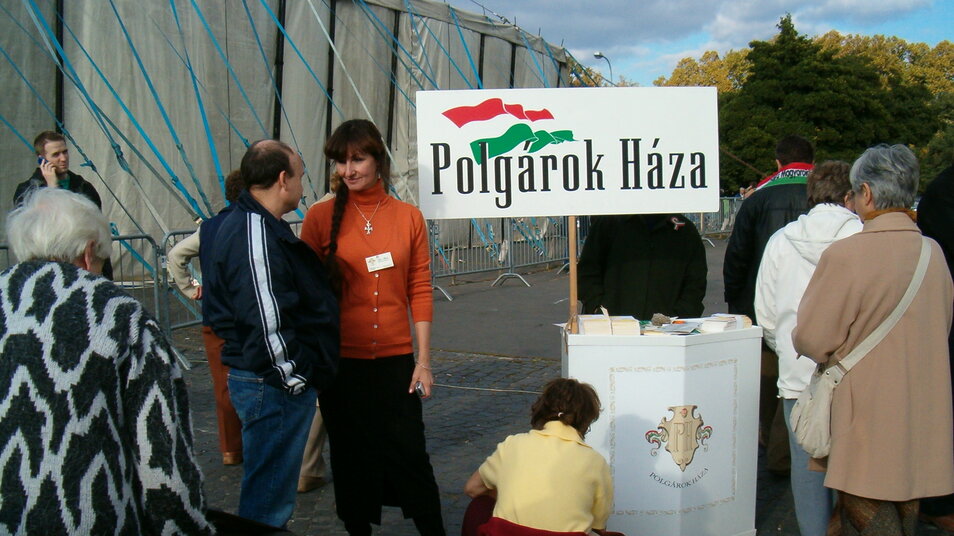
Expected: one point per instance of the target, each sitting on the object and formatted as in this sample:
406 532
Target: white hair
892 173
56 225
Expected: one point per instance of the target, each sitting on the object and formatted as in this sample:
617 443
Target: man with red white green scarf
779 199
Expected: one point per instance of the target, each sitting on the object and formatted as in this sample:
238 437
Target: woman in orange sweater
376 252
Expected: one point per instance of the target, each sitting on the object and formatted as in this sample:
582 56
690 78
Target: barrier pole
508 239
571 238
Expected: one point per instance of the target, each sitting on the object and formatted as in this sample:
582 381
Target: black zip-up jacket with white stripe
272 302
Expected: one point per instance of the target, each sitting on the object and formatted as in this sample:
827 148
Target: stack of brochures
608 325
724 322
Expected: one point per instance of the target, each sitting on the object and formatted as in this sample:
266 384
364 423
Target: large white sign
567 151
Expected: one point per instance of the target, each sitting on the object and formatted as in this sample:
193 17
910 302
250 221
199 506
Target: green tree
938 154
841 103
895 58
726 74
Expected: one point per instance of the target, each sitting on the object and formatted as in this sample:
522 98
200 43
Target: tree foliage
844 93
583 76
727 74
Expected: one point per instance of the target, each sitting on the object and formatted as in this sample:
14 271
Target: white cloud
646 35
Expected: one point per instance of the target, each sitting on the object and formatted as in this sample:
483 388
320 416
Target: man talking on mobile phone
53 171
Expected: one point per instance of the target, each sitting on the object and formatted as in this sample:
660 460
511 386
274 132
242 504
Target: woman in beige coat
891 421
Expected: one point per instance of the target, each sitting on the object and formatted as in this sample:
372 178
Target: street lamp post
599 55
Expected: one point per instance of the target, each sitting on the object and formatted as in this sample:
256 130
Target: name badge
379 262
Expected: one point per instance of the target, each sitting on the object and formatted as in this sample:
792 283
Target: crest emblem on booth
682 434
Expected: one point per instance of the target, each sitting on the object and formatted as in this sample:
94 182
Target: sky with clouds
644 39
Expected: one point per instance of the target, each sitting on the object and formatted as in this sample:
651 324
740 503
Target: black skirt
376 437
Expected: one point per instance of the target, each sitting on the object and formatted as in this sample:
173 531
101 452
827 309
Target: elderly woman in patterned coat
891 419
95 429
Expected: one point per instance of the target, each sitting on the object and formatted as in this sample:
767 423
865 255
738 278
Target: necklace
367 221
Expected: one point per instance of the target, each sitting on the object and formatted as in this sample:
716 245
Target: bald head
264 161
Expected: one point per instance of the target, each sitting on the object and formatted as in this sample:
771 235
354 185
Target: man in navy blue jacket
271 302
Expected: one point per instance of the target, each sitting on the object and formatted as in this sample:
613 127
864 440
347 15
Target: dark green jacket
640 265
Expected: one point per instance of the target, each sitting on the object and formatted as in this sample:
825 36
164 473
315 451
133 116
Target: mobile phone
40 160
419 389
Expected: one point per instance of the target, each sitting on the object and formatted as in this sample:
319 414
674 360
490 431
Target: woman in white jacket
788 263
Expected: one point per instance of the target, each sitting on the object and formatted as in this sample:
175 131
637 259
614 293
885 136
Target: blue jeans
274 430
813 501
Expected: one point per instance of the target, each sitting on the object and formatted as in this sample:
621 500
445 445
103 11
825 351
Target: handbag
811 416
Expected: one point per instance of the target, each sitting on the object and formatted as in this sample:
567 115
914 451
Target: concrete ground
493 349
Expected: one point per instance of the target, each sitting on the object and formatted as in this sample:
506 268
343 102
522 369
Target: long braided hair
353 136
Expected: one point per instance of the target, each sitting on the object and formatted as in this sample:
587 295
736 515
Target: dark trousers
378 451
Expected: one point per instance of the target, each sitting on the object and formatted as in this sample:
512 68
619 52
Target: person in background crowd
779 199
788 263
519 481
271 302
230 427
639 265
96 427
376 248
53 171
891 415
936 220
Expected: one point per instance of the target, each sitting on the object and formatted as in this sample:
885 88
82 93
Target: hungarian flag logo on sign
520 133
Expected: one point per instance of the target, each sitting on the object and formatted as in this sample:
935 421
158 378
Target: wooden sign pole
571 236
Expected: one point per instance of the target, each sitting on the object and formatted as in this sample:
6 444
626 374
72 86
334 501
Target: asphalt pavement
493 349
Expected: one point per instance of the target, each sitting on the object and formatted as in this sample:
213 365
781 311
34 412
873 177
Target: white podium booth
679 427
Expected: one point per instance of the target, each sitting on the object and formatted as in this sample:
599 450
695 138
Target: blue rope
228 65
527 232
291 42
224 115
162 110
41 24
387 71
148 165
434 231
437 41
394 44
17 133
86 161
591 83
278 95
135 254
420 39
489 245
193 204
470 58
504 74
533 56
198 99
556 64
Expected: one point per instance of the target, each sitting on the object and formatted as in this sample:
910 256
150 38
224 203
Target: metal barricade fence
477 245
461 247
180 311
137 269
136 265
717 223
458 247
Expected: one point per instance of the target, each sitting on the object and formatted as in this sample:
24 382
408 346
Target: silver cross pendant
368 228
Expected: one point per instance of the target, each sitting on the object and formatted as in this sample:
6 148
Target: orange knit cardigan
374 305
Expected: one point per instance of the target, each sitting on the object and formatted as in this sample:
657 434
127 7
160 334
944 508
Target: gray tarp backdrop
159 98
